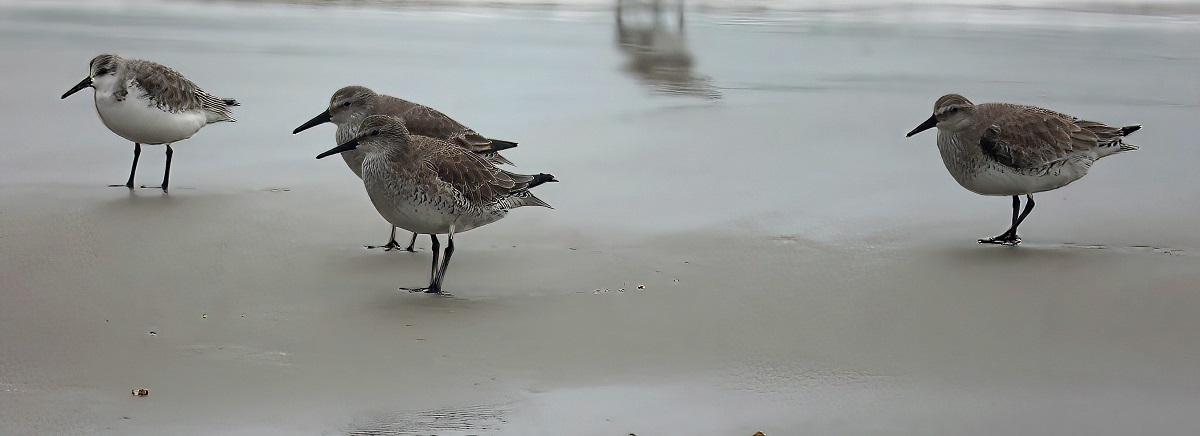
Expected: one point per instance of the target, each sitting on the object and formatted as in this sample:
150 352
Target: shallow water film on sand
742 239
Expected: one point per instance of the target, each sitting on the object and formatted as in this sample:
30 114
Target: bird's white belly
139 120
1000 180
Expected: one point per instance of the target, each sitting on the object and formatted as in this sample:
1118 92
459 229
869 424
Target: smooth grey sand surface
806 268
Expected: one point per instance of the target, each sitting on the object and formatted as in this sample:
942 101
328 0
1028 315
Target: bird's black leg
437 285
1024 213
1016 208
1010 237
436 246
412 244
167 173
137 151
433 271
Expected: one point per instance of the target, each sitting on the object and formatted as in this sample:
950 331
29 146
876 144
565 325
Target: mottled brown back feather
171 91
1031 137
467 172
426 121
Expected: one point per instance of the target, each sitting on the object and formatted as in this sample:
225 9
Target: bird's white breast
138 119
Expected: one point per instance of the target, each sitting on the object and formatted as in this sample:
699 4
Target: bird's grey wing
496 158
469 173
1032 137
1104 133
171 91
426 121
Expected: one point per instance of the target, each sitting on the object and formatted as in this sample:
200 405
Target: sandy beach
743 239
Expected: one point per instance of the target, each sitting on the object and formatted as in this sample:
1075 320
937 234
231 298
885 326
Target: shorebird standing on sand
350 105
431 186
148 103
1008 149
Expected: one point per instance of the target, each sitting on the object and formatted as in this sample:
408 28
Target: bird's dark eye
374 133
102 71
952 110
346 104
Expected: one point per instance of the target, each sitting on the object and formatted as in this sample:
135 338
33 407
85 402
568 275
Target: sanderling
1009 149
350 105
431 186
148 103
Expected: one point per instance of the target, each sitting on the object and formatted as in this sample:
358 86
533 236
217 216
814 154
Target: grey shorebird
350 105
433 187
148 103
1013 150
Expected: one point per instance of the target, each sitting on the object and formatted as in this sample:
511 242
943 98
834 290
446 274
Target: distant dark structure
657 51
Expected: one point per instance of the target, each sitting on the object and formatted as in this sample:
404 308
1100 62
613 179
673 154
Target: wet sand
806 268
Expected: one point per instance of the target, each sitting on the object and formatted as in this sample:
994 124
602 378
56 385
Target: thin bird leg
437 285
436 248
391 243
167 173
1009 237
1016 207
412 244
433 267
1024 213
137 152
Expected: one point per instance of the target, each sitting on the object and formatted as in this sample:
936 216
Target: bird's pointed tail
1125 131
541 178
500 144
523 198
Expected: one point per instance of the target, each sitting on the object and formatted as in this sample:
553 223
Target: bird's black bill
323 118
86 82
349 145
928 124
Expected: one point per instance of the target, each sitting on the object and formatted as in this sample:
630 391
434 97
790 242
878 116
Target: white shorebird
148 103
1009 149
433 187
349 106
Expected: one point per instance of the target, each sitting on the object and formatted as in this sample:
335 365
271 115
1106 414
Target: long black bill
928 124
323 118
86 82
349 145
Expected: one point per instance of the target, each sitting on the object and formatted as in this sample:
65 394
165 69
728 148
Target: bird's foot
164 188
1009 239
427 290
123 185
391 246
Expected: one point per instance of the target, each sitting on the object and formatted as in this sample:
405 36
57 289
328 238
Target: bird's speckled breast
426 208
